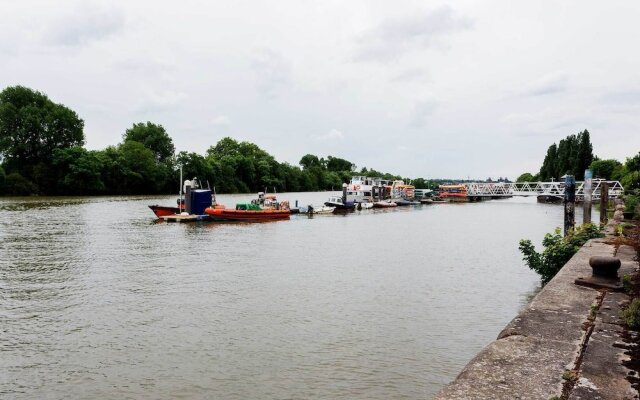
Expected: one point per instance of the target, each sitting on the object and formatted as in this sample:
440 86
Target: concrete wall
547 338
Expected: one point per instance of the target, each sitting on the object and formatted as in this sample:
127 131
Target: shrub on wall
558 250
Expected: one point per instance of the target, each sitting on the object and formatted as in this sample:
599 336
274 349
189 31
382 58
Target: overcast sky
419 88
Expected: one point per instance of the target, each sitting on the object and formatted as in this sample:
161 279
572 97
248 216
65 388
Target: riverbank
567 343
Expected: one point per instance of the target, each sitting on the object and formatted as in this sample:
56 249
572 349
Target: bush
630 203
558 250
17 185
2 178
631 314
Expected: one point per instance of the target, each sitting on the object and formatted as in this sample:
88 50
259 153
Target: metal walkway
551 189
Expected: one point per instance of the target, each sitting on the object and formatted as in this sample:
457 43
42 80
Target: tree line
42 152
574 154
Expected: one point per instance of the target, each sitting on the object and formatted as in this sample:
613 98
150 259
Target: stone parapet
554 334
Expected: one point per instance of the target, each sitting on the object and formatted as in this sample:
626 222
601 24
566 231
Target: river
98 300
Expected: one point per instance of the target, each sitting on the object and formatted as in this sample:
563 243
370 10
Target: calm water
99 301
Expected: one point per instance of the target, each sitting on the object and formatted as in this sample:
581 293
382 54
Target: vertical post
604 202
180 208
587 192
569 203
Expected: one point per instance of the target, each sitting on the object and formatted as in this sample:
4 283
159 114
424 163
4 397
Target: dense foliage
41 152
574 154
32 127
557 250
571 156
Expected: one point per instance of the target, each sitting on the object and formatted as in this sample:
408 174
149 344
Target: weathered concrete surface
515 367
602 375
548 337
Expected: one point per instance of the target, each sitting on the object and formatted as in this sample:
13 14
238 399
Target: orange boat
247 212
453 192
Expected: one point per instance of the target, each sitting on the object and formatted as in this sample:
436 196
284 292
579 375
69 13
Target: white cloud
221 121
548 84
160 101
422 110
416 31
333 134
85 24
272 72
411 75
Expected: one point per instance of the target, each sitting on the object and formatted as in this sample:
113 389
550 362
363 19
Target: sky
417 88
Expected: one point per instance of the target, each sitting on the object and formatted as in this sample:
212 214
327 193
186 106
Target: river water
98 300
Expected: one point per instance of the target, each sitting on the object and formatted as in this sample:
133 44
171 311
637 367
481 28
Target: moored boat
453 193
384 204
404 202
311 210
339 204
270 202
246 212
194 202
163 211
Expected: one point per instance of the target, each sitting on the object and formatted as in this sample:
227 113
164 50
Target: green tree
584 156
131 168
79 171
32 127
633 163
527 177
17 185
225 147
195 166
604 168
339 164
309 161
548 169
154 137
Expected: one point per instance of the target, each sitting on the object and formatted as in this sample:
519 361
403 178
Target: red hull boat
163 211
222 214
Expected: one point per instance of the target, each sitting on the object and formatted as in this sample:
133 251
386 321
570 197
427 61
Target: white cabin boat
364 189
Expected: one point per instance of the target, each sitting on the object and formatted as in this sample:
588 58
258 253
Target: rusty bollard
605 266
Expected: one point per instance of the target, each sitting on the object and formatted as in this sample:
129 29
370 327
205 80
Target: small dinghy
313 210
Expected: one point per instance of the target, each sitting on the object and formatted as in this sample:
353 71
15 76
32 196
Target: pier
550 189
